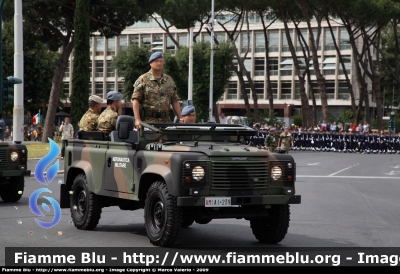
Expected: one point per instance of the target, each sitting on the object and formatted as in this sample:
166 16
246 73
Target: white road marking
346 177
398 166
393 172
342 170
313 164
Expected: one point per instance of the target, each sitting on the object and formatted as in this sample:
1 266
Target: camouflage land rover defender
13 168
179 174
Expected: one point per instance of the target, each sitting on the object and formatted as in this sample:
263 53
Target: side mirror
123 131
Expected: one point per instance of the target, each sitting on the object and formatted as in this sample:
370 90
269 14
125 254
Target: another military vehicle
13 168
179 174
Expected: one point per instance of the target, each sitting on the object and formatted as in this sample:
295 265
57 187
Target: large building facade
286 91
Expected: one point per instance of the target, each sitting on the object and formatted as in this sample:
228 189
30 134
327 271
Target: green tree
52 22
38 68
131 63
81 75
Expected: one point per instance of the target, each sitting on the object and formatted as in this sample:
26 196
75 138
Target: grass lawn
38 150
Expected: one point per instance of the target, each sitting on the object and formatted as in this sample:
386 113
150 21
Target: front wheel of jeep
162 216
85 205
272 229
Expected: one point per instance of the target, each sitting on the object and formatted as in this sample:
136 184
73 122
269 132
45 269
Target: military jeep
179 174
13 168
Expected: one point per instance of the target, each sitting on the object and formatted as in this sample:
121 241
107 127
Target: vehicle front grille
3 159
239 175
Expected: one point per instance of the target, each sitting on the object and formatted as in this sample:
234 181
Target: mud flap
64 196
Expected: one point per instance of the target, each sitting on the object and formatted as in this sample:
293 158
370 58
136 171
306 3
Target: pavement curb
59 172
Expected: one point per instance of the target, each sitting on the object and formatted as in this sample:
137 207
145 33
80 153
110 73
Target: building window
330 89
110 86
274 87
347 64
344 40
90 88
273 66
134 39
329 43
99 89
259 67
91 45
248 65
111 47
246 42
158 43
110 69
99 46
315 32
297 95
273 41
170 45
232 91
146 41
315 89
220 36
120 87
286 67
99 68
285 43
122 42
66 89
343 91
182 40
259 89
260 42
235 64
286 90
66 74
91 68
311 69
206 37
329 65
300 40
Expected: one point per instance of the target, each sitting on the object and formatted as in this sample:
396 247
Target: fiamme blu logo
44 174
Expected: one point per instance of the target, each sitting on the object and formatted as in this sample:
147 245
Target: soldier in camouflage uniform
285 140
272 140
89 120
155 92
108 118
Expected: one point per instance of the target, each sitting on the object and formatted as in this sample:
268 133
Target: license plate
217 202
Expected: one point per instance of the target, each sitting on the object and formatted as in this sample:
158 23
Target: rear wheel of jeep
187 220
162 216
85 205
14 190
272 229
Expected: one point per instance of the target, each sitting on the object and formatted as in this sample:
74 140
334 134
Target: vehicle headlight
14 156
289 165
276 173
198 173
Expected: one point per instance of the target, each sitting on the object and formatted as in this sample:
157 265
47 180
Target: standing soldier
108 118
285 140
154 93
67 132
272 140
39 131
89 120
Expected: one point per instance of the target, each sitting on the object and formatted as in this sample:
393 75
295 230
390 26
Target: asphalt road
348 200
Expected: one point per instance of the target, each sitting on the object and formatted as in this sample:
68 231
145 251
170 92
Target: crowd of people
345 138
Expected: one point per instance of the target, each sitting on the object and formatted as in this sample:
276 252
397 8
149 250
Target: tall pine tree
81 73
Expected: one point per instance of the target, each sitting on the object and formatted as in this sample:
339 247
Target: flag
36 119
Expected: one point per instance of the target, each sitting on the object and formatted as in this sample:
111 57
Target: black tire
14 190
85 205
203 221
187 220
162 216
272 229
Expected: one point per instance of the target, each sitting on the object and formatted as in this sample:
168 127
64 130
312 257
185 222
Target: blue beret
114 95
187 110
156 55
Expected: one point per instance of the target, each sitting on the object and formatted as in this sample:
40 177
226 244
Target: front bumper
245 200
14 173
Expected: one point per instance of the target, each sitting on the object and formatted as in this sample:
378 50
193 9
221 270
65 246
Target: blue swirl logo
45 177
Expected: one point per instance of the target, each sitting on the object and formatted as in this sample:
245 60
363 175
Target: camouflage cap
96 99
